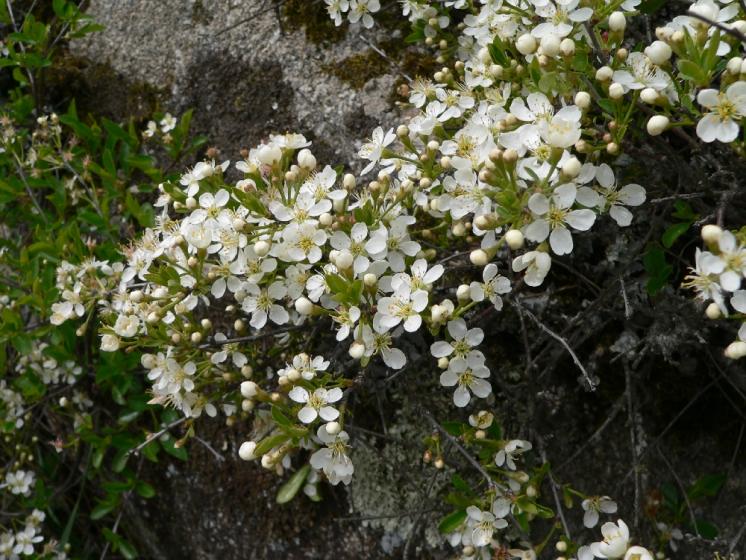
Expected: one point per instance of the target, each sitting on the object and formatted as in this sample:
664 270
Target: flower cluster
717 277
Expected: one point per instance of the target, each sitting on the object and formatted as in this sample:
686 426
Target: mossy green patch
314 19
358 69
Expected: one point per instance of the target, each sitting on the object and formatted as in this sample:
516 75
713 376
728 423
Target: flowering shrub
230 287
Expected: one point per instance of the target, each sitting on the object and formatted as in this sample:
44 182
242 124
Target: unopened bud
711 233
514 238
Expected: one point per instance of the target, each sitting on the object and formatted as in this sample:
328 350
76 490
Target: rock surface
242 69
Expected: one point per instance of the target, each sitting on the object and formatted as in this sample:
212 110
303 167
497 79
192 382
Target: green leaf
673 232
707 529
101 510
288 490
279 418
144 489
170 448
707 486
693 71
269 442
659 271
452 521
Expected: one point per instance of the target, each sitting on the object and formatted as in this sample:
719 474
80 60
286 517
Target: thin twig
464 452
633 439
250 338
558 338
683 491
156 435
554 486
730 31
211 449
618 405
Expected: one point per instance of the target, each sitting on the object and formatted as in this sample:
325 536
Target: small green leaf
452 521
288 490
673 232
144 489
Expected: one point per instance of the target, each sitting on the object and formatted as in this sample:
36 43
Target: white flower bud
658 52
370 279
561 546
458 229
136 296
304 306
306 159
617 21
249 389
247 371
267 462
567 47
526 44
206 324
657 124
191 203
247 405
357 350
433 145
583 99
109 343
616 91
736 350
63 402
463 293
571 168
479 258
333 428
246 451
268 154
402 130
349 182
711 233
238 224
514 238
261 248
713 311
649 96
326 219
148 361
604 74
550 45
344 260
196 337
443 362
734 65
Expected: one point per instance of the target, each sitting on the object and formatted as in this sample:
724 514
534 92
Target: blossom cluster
717 277
509 157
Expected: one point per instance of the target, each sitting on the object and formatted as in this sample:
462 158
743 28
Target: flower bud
713 311
304 306
443 362
583 99
604 74
711 233
616 91
349 181
658 52
657 124
514 238
402 131
462 293
571 168
649 96
191 203
561 546
196 337
333 428
479 258
617 22
247 405
261 248
306 159
370 279
249 389
344 260
612 148
246 451
736 350
268 154
734 65
357 350
550 45
526 44
567 47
